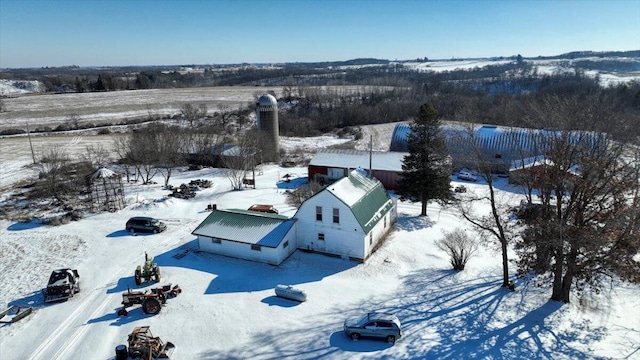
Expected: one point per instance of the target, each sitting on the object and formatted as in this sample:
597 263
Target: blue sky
102 33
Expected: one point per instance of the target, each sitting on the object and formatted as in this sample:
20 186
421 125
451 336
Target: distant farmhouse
349 218
329 165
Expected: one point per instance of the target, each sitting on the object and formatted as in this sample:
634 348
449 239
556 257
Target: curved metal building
498 145
267 115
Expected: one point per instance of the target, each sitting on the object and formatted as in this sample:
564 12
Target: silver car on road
374 325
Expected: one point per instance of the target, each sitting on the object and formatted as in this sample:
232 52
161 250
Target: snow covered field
543 67
115 106
228 309
112 107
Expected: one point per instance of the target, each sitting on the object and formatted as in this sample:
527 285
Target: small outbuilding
106 190
349 218
248 235
535 169
329 165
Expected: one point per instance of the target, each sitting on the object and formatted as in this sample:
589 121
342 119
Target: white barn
349 218
248 235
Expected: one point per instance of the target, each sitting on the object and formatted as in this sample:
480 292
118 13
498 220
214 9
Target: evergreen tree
427 167
99 84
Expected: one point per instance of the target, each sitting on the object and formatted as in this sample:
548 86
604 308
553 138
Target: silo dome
267 100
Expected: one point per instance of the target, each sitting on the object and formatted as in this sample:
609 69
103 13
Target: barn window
256 247
318 213
370 239
286 243
336 216
320 236
216 241
385 221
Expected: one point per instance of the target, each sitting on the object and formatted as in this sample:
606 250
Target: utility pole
370 154
33 155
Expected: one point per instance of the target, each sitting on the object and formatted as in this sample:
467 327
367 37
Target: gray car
374 325
145 224
467 176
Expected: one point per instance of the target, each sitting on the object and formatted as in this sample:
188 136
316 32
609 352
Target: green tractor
150 271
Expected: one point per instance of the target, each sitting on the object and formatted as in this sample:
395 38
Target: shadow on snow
135 313
19 226
231 275
445 315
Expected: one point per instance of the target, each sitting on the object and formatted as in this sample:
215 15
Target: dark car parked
145 224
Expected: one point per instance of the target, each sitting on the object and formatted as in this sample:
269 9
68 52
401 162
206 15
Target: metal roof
365 196
267 100
510 142
353 159
245 226
103 173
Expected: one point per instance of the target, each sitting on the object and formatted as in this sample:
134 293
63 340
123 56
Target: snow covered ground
543 67
228 308
116 106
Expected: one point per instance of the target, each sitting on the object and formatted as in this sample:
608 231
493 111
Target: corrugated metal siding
509 143
245 227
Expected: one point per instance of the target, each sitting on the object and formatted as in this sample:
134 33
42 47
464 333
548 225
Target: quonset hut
267 116
499 146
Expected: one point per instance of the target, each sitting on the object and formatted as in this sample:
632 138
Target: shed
248 235
535 169
329 165
106 190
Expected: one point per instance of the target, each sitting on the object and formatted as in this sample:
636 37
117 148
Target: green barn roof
365 196
245 226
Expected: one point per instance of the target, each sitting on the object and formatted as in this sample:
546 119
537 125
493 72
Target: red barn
330 165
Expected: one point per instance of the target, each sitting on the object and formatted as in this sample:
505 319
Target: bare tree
588 228
121 147
144 151
193 113
170 152
296 197
73 121
241 159
52 167
494 225
459 246
242 116
204 146
225 114
96 155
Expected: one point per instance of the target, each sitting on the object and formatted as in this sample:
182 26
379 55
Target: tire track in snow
69 321
58 332
83 328
77 335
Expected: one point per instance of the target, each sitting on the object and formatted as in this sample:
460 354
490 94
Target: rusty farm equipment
141 344
151 300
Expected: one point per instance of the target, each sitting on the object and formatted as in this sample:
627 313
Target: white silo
267 114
